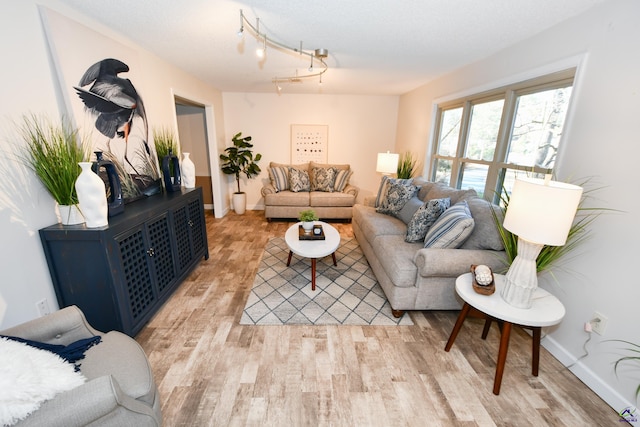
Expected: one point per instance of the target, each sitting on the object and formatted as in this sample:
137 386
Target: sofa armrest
454 262
63 327
351 189
96 402
268 189
369 201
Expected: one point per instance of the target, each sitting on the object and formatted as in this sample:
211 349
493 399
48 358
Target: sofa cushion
327 165
439 191
299 180
396 257
374 224
323 179
424 218
335 199
301 166
406 213
485 233
279 176
452 228
342 179
287 198
398 194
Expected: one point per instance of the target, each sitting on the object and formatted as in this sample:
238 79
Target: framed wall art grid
309 143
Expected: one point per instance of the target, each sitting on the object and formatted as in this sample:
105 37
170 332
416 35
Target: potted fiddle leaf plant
238 160
52 151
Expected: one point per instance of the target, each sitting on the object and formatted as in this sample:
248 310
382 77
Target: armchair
120 389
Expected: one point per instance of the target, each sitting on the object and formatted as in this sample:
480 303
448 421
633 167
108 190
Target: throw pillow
28 377
424 218
323 179
383 190
298 180
410 208
452 228
279 178
397 195
342 179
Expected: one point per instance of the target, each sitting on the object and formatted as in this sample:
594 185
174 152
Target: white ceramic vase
188 170
70 215
92 196
307 226
239 203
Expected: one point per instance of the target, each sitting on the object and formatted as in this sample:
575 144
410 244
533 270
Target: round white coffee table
546 310
313 249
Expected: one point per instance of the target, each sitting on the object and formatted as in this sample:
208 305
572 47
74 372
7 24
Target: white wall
29 86
359 128
600 141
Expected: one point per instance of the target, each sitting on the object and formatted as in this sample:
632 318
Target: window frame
498 166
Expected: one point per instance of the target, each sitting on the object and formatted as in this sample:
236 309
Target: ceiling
375 46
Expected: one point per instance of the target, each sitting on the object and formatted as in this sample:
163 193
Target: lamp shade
387 163
542 211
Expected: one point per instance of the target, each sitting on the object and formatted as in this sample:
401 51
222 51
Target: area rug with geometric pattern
346 294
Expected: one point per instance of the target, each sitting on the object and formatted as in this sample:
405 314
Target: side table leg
487 326
335 263
289 259
313 274
456 328
535 351
502 357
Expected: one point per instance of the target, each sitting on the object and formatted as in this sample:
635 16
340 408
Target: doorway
191 118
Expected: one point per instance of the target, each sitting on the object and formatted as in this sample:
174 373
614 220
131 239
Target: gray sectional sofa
286 195
417 278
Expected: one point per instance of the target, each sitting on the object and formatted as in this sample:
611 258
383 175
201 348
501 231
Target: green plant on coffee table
308 215
406 165
549 255
52 151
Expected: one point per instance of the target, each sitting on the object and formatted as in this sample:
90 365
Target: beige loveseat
326 190
417 278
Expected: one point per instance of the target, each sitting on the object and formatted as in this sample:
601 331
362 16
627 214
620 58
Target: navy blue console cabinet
121 274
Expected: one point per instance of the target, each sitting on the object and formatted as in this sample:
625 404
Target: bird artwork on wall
118 110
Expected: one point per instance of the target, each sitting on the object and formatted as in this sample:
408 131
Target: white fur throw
30 376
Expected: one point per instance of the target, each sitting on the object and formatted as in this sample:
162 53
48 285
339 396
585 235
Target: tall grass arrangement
549 255
164 140
52 151
406 165
633 357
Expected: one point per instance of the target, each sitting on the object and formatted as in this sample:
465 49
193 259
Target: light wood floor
212 371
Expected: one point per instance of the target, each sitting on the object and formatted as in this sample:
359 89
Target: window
483 141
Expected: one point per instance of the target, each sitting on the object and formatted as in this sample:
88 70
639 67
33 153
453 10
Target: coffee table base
313 268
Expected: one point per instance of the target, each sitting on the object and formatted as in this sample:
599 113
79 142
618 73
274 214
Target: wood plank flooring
213 372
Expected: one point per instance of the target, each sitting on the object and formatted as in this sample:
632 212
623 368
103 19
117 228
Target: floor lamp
540 212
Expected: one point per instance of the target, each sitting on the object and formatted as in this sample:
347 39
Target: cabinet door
190 232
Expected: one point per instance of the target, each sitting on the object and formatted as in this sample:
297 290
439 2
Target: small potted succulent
307 217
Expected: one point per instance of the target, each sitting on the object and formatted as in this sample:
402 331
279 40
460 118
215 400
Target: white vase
307 226
239 203
188 170
70 215
92 196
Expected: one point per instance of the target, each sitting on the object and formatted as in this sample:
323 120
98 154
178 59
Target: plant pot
70 215
307 226
239 203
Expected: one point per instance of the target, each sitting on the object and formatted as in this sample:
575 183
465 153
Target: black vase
106 169
171 172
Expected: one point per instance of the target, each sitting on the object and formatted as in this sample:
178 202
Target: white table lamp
540 212
387 163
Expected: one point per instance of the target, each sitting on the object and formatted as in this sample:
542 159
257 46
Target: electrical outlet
43 307
598 323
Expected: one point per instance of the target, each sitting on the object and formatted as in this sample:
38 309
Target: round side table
546 310
313 249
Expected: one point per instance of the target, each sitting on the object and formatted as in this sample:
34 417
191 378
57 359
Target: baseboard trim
588 377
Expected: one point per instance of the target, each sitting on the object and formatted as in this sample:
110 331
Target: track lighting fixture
263 40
